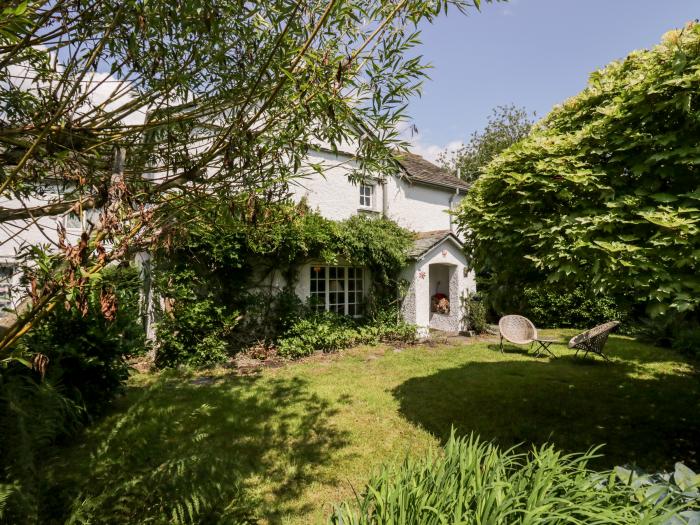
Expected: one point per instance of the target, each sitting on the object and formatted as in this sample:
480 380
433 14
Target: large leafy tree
606 189
137 108
506 126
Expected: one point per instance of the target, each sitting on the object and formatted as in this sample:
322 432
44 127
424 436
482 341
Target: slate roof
425 241
421 170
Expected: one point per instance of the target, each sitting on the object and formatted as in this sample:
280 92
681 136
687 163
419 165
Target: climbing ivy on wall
606 189
214 260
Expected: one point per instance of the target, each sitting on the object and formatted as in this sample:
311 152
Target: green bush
194 333
328 332
474 482
680 332
687 340
33 416
474 313
87 366
557 307
88 353
604 190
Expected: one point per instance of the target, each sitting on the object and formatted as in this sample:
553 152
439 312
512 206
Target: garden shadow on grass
202 449
571 402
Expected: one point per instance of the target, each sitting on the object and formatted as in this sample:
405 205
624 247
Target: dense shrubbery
577 307
86 368
328 332
681 333
87 353
217 280
475 482
604 190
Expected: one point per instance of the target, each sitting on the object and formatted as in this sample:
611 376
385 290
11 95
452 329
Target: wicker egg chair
517 329
593 340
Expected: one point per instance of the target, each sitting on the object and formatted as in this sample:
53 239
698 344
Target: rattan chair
593 340
517 329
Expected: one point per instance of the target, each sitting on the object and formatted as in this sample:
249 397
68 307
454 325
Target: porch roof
425 241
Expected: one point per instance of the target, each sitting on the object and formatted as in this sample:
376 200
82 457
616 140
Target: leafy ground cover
285 445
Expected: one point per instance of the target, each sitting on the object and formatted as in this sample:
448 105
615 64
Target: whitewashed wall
416 305
332 193
416 207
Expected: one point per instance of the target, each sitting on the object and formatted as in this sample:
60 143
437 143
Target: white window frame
352 277
367 196
87 216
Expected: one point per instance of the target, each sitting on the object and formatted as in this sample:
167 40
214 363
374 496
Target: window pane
73 221
6 272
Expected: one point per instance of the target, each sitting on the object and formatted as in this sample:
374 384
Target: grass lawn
287 444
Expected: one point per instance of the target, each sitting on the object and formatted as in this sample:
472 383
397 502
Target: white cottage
419 197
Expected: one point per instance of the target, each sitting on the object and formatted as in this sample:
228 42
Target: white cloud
431 152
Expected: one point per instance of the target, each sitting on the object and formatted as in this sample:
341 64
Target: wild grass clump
474 482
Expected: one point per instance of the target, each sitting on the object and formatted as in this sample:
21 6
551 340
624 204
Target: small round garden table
543 346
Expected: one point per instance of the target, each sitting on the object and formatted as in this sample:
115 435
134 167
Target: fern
32 416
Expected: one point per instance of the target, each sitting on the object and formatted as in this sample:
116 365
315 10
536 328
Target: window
73 222
366 192
89 219
337 289
6 273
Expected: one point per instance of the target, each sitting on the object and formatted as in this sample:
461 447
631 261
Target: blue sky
533 53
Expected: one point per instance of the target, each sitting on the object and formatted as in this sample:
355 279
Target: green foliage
682 486
506 126
86 369
604 189
33 415
475 482
687 340
474 313
376 243
561 307
215 278
87 352
680 332
194 333
328 332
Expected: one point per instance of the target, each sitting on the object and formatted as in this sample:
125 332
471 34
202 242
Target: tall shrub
605 189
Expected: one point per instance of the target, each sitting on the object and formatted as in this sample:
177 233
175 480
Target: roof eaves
447 236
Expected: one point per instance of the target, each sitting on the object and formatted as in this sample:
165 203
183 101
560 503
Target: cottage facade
419 197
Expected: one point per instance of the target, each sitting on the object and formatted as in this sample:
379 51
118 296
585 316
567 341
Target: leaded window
338 289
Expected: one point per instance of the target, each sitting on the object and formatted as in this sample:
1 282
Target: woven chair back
517 329
594 338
